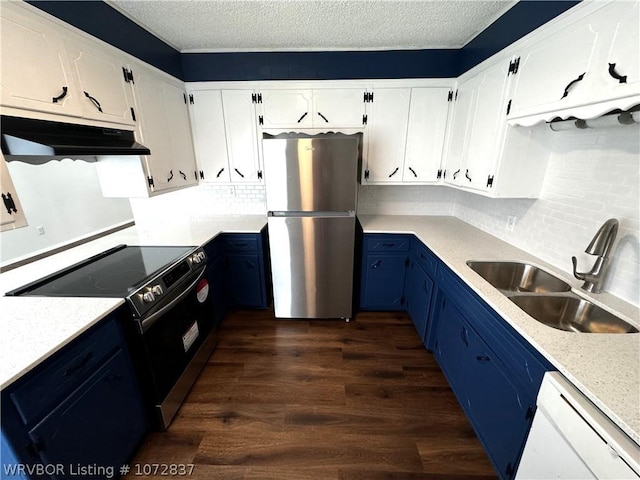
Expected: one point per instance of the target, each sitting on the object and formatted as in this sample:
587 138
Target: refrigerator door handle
298 214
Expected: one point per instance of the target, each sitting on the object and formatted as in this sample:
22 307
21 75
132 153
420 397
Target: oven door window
174 339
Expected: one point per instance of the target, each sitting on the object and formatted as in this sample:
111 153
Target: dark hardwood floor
297 399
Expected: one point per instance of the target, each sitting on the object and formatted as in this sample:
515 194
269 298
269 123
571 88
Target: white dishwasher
571 438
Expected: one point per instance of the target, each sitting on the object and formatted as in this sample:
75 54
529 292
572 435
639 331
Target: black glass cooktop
113 273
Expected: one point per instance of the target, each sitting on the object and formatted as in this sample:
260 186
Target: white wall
64 198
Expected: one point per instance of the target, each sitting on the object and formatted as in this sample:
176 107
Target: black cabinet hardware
323 117
455 174
182 174
616 75
219 173
61 96
571 84
483 358
450 96
490 181
513 67
150 181
259 174
133 114
439 174
302 117
414 172
9 203
376 264
191 98
366 174
94 101
394 172
202 174
260 120
508 107
238 172
170 177
364 119
128 75
464 336
466 174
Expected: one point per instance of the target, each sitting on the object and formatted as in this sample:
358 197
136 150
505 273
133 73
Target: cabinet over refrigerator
311 188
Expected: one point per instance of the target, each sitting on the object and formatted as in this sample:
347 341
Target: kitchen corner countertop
604 367
34 328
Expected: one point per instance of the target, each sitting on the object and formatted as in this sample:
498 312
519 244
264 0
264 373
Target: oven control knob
196 258
201 255
148 297
157 290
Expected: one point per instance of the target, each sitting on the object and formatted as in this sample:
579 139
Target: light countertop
34 328
604 367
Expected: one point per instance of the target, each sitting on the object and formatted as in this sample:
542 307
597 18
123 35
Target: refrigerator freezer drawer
312 266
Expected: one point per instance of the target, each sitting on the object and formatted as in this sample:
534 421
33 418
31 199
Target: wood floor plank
321 400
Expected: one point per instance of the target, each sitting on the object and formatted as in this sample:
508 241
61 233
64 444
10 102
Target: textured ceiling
290 25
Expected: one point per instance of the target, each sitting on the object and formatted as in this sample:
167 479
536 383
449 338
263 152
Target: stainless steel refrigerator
311 188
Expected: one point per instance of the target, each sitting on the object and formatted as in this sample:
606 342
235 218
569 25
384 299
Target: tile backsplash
592 176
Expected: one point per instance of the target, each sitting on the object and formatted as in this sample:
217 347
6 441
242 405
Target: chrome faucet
601 246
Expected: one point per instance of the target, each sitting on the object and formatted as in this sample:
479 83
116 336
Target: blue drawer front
387 243
64 372
241 242
425 258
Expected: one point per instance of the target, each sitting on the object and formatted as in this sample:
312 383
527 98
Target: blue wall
106 23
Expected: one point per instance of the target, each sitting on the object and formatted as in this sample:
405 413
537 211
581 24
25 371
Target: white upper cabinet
209 137
584 70
36 74
286 108
106 94
11 213
484 154
319 109
426 130
386 135
242 136
182 154
225 135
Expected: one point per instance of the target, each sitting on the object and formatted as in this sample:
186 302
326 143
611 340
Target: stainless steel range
171 328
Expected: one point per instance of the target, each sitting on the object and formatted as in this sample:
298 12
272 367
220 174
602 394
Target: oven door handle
151 319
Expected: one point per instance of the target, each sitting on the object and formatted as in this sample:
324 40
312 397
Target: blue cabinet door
418 293
246 280
383 282
498 411
99 424
452 347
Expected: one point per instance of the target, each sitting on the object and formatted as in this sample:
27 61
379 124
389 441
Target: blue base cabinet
80 408
494 373
384 265
247 271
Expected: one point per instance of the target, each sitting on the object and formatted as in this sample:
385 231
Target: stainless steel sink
572 314
518 277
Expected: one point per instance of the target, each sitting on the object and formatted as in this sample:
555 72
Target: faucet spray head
603 239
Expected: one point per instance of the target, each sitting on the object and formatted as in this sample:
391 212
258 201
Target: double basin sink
548 299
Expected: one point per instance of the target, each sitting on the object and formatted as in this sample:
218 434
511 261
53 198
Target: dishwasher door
572 439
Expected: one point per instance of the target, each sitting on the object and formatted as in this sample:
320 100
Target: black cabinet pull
616 75
466 174
303 115
376 264
455 174
182 174
238 172
463 336
571 84
323 117
394 172
61 96
94 101
79 365
483 358
9 204
413 171
202 174
218 175
170 177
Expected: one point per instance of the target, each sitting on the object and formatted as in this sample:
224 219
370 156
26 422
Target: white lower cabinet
484 154
226 137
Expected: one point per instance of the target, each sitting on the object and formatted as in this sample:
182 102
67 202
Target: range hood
38 141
